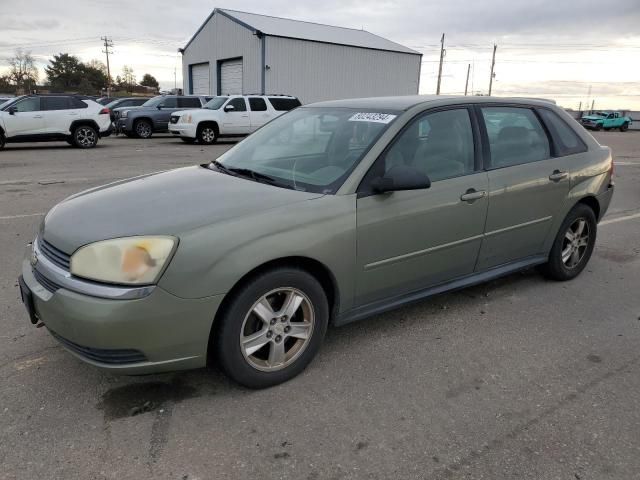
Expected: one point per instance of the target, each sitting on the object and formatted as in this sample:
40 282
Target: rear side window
567 141
56 103
189 102
516 136
257 104
77 103
283 104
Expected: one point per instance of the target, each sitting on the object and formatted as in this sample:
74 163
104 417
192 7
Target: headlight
186 118
124 114
129 260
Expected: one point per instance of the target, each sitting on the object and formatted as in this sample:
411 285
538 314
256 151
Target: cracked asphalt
518 378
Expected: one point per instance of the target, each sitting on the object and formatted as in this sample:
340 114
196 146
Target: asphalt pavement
519 378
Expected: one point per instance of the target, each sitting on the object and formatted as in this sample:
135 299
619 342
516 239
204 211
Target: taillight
105 111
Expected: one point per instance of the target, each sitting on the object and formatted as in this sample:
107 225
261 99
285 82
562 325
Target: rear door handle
472 195
37 116
557 175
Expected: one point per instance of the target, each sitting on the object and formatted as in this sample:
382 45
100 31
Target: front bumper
183 129
156 333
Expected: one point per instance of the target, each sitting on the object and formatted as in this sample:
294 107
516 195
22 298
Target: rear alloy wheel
624 127
85 136
573 245
272 328
207 135
143 129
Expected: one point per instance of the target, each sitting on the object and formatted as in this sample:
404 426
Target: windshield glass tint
215 103
310 149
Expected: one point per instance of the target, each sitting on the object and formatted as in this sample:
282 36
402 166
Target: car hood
164 203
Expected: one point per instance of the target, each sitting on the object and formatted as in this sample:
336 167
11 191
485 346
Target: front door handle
37 116
557 175
472 195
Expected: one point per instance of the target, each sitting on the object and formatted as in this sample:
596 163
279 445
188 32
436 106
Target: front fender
214 258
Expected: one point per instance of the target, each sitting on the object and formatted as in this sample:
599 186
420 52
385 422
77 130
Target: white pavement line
626 164
11 217
620 219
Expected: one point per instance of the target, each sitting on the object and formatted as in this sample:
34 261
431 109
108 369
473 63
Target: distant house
238 52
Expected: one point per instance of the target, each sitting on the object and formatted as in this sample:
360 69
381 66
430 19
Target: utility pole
592 104
466 85
580 106
442 54
108 43
493 64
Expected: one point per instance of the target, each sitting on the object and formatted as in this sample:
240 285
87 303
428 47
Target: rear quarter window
566 139
283 104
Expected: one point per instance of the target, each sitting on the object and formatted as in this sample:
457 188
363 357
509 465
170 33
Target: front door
410 240
236 121
27 120
527 187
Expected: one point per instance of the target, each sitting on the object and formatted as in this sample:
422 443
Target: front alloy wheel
144 129
207 135
271 327
85 137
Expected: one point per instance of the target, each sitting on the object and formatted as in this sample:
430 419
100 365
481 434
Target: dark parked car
124 102
154 115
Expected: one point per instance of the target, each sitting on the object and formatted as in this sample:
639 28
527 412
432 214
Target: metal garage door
231 77
200 79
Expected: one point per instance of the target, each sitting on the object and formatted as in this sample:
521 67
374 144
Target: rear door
58 113
411 240
27 120
259 112
236 121
527 185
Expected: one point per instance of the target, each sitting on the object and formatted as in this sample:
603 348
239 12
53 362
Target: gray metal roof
316 32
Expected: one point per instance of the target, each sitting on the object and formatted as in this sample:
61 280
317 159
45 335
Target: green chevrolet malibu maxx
331 213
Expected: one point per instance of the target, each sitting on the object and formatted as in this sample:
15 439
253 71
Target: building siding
315 71
220 39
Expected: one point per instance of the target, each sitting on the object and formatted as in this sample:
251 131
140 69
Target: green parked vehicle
606 121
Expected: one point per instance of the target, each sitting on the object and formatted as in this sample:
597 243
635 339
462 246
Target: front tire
143 129
573 245
84 136
207 134
624 127
272 328
598 127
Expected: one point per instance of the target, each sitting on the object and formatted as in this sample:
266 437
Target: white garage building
238 52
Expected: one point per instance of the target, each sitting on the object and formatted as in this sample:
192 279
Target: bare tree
128 78
23 72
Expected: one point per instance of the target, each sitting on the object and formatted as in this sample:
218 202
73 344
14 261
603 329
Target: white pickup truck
229 116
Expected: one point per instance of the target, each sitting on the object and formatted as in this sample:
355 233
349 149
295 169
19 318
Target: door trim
519 225
419 253
391 303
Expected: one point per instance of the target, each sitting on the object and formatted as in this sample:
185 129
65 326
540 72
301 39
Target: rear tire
573 245
624 127
84 136
143 129
258 341
207 134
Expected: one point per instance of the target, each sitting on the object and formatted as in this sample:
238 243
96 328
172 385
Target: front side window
215 103
257 104
567 141
29 104
238 104
438 144
515 136
309 149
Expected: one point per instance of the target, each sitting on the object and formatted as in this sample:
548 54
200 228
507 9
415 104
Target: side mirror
229 108
160 107
399 178
12 110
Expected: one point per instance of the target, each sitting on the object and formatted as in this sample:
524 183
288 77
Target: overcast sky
561 49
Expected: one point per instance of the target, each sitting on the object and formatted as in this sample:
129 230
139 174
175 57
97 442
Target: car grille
56 256
49 285
109 356
175 118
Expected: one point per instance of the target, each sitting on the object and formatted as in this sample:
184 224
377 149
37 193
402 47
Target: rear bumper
604 200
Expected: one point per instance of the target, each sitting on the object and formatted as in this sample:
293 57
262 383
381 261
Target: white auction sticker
372 117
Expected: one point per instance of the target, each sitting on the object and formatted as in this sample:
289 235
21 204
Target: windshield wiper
248 173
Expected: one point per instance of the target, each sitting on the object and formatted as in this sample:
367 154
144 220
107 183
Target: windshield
154 102
215 103
11 101
309 149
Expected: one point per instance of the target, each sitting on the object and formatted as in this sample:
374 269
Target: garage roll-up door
200 79
231 76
